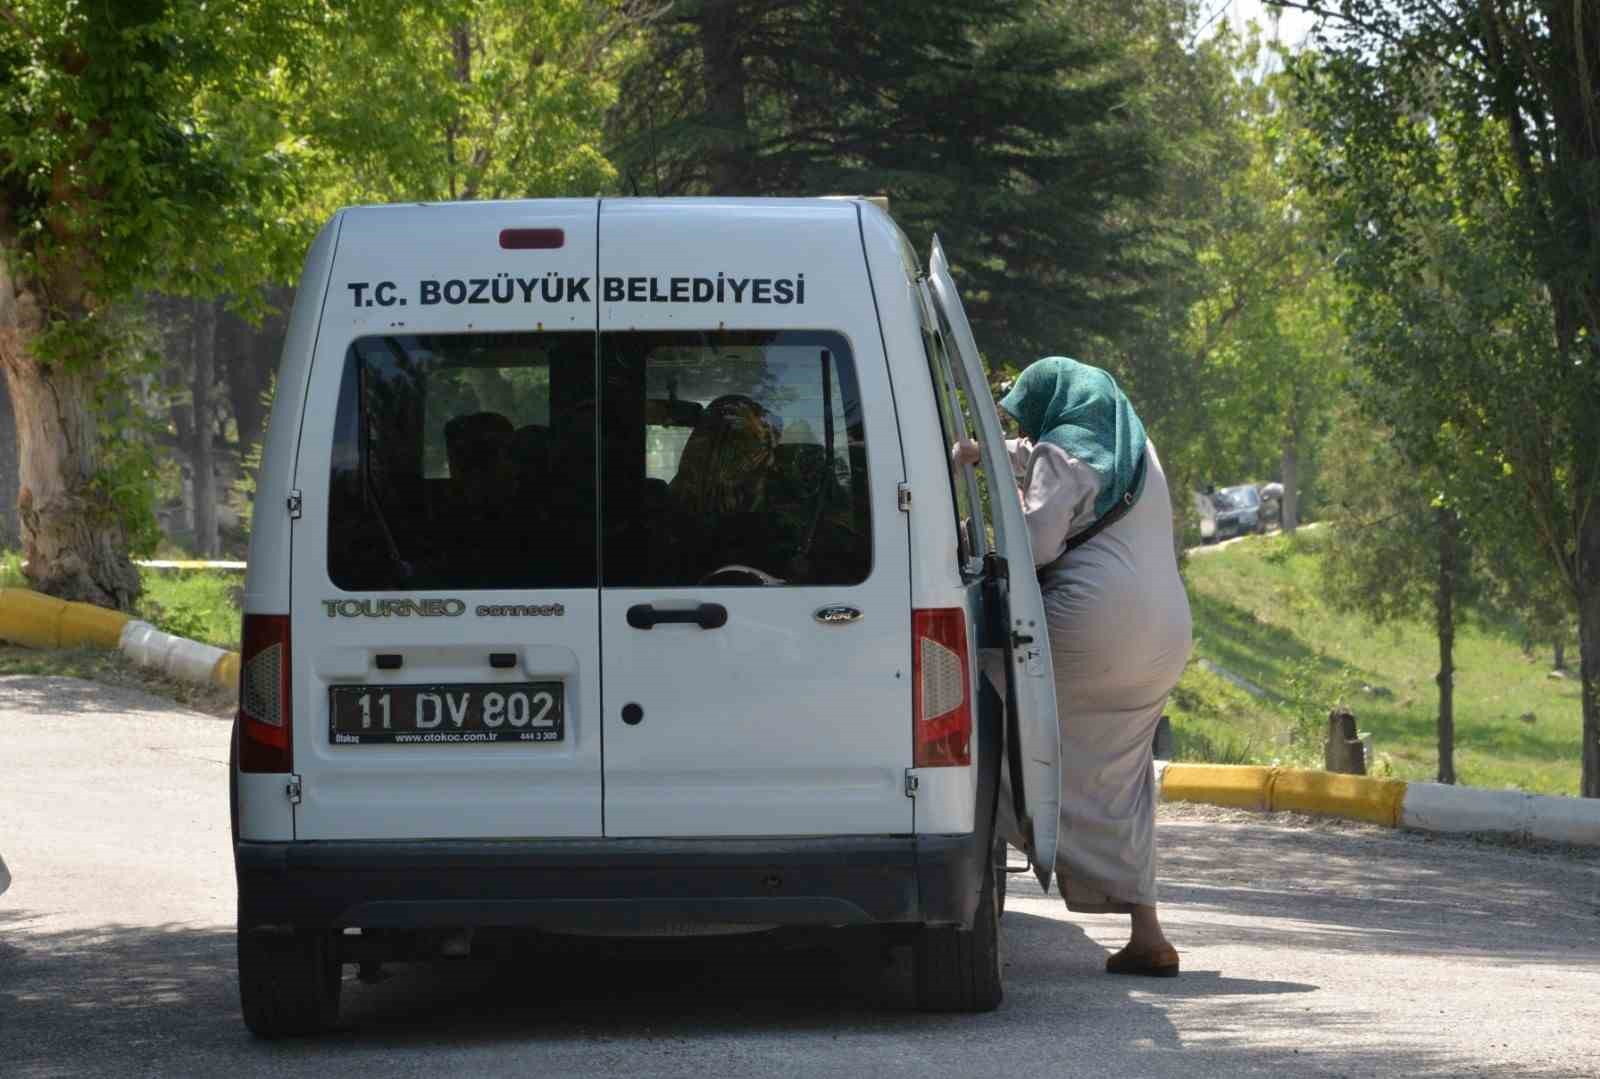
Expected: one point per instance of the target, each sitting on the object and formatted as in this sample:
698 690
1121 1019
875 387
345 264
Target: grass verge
1259 613
202 605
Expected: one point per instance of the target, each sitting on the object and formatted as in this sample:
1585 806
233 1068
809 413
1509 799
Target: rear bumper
611 884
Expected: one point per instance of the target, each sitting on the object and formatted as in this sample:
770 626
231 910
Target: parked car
609 574
1238 511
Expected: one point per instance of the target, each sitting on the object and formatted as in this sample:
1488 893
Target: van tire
958 970
289 983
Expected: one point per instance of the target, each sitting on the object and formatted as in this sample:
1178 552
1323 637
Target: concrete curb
35 620
1393 803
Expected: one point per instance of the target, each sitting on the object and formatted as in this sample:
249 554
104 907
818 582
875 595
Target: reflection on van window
733 458
464 461
952 425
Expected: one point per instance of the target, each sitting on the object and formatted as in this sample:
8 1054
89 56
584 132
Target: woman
1100 519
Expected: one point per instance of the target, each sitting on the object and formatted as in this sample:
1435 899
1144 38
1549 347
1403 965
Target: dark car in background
1238 511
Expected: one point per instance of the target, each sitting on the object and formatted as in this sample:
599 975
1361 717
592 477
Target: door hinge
294 505
911 783
291 790
903 498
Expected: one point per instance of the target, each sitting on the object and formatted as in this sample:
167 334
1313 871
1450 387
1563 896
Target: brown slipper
1158 962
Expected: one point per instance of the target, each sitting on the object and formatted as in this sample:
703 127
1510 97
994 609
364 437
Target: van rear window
465 461
733 458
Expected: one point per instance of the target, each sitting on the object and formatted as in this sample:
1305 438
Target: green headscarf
1080 409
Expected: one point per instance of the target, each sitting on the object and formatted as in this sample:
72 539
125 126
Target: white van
609 574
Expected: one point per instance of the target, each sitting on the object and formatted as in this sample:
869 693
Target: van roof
822 205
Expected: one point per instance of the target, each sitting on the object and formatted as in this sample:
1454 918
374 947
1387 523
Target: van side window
733 459
953 427
464 461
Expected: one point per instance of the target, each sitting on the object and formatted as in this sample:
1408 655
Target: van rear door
1033 739
755 608
445 607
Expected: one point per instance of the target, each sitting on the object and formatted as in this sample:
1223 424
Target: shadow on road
118 1000
1344 894
50 696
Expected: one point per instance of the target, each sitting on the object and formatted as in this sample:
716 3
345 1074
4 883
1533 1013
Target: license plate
502 714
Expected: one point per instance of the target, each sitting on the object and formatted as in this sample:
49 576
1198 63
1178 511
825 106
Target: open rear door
1032 737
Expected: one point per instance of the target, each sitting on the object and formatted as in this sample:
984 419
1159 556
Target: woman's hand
965 452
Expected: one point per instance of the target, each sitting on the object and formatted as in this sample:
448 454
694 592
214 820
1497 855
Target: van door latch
291 790
903 498
294 505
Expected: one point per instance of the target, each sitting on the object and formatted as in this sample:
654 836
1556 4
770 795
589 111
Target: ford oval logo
837 615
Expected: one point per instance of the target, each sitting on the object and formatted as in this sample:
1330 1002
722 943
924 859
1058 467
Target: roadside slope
1260 615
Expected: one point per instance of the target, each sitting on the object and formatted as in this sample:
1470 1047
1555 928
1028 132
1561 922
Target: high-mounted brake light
941 688
266 742
532 239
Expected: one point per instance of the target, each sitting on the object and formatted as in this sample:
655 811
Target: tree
1184 87
1398 549
998 123
1524 593
460 99
189 149
111 182
1460 153
1266 335
1238 351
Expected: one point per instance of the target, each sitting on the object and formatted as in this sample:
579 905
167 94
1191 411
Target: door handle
706 616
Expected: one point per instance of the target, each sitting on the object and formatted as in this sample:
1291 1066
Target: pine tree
995 123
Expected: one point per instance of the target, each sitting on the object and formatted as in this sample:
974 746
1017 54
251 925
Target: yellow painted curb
1336 795
84 623
35 620
1286 789
1235 785
29 618
225 674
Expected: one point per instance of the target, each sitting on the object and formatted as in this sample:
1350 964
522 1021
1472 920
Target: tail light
941 688
266 741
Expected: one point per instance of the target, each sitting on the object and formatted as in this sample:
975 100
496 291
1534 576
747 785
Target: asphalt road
1309 949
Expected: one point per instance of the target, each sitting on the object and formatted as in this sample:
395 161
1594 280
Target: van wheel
289 983
958 970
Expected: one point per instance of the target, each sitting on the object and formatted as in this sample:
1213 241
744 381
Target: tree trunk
1560 647
204 328
1444 607
1589 651
72 535
1290 512
725 93
10 529
177 377
248 357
